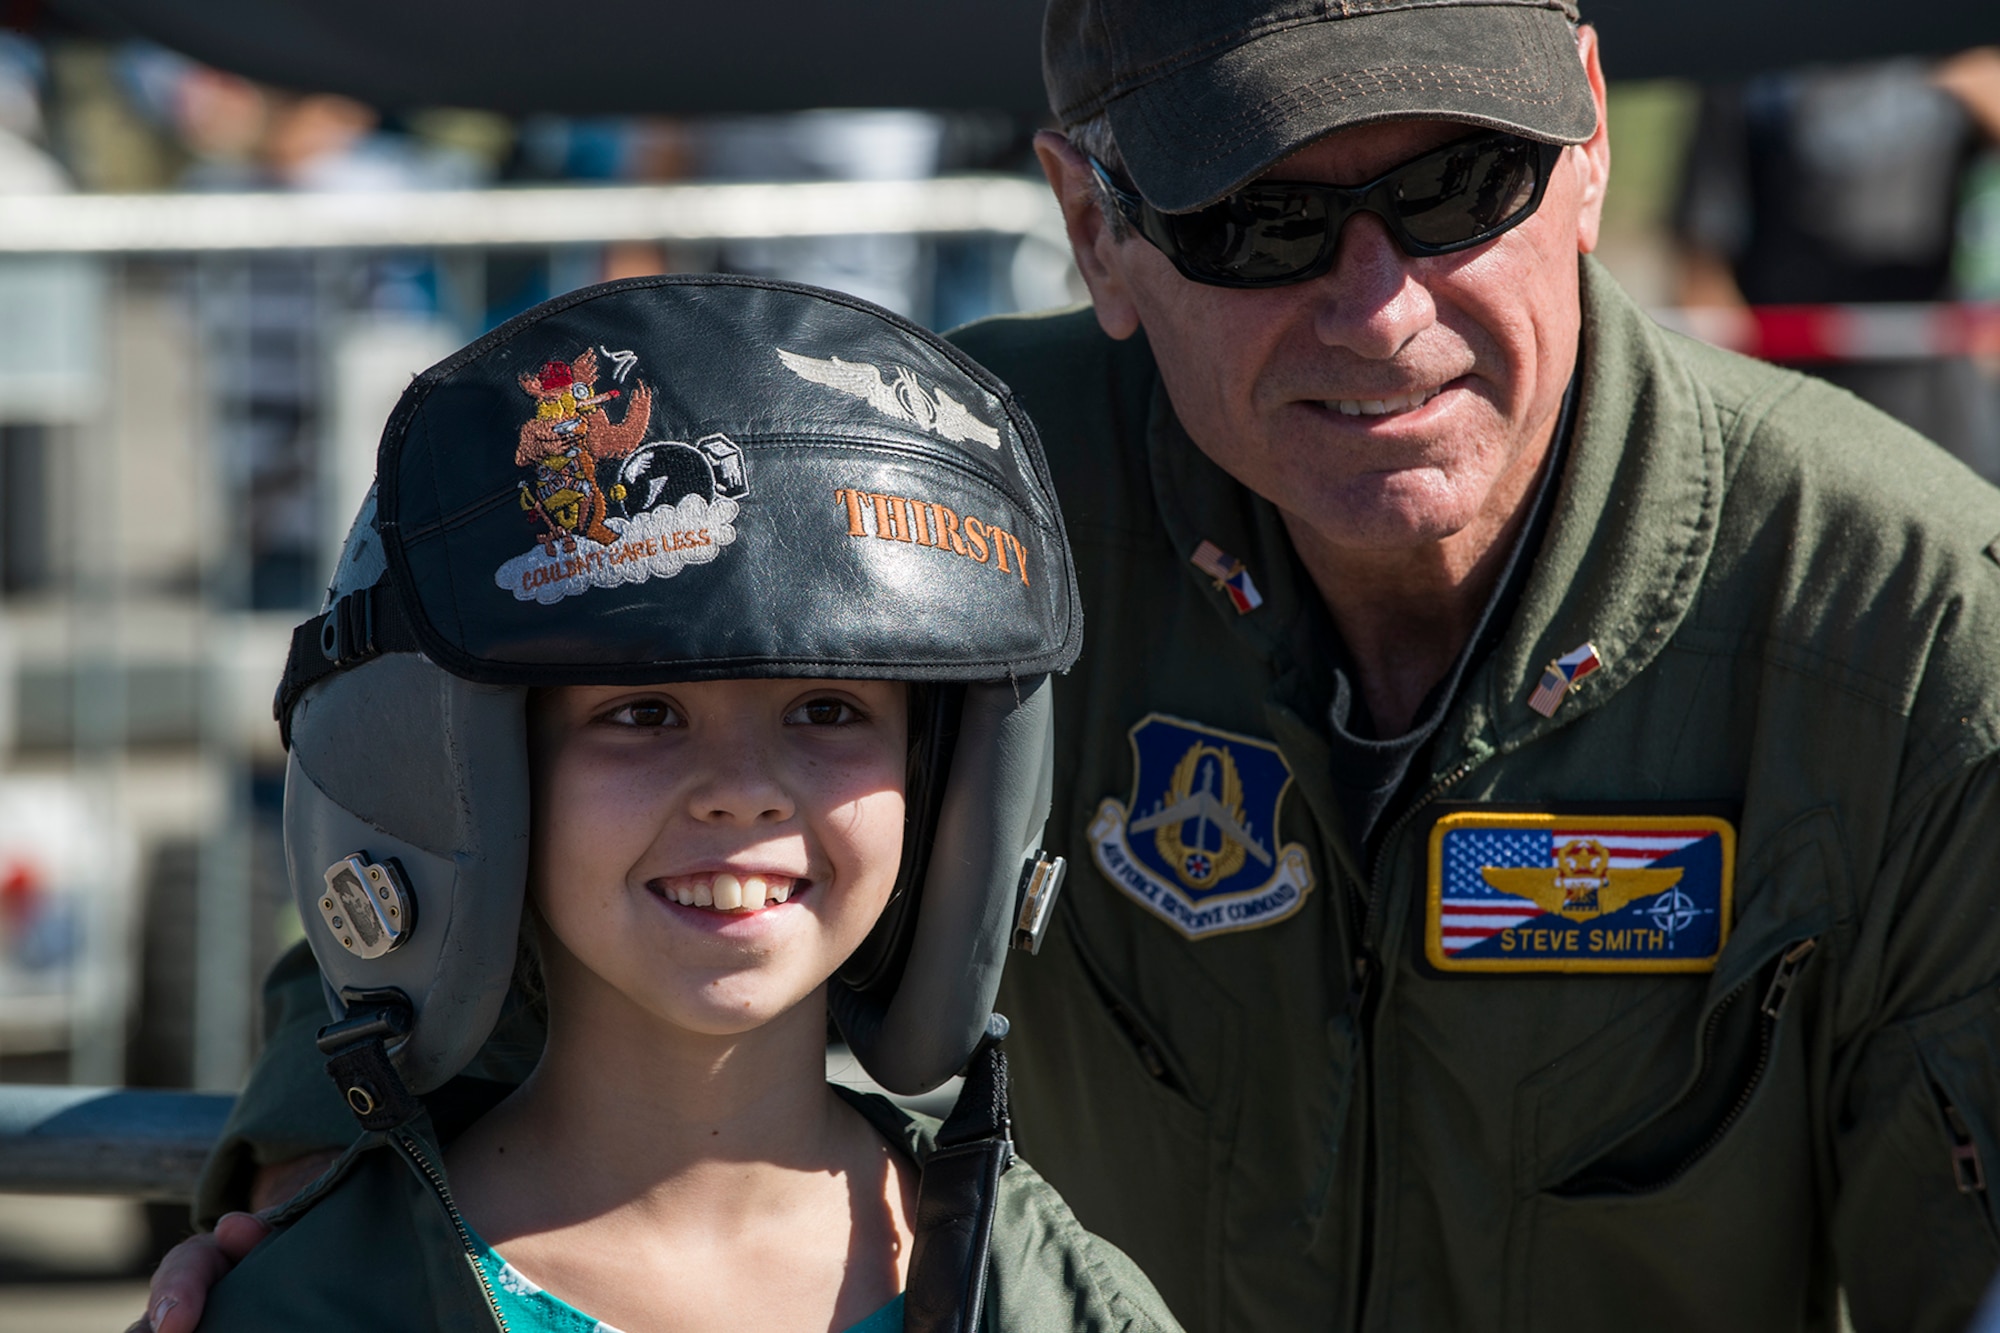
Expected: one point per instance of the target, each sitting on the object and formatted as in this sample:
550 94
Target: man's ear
1593 155
1090 239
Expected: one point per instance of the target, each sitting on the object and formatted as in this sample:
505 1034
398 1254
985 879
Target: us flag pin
1561 676
1229 575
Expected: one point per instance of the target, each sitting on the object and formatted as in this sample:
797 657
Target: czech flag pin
1229 575
1561 676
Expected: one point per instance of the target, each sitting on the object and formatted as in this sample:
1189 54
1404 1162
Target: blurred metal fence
111 1141
570 215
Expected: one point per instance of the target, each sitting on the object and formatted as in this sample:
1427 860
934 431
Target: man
1531 781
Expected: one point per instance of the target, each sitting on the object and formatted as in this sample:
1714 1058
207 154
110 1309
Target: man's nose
1370 302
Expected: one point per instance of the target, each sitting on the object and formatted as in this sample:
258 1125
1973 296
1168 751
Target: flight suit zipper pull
1786 975
1966 1166
1364 980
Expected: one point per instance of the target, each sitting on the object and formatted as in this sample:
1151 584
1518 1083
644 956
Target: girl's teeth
729 893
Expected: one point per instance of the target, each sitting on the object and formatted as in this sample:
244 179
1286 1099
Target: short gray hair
1095 138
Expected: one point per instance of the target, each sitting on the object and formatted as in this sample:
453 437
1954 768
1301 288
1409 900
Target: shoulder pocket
1913 1224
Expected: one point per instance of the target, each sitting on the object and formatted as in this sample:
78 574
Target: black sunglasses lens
1466 191
1258 234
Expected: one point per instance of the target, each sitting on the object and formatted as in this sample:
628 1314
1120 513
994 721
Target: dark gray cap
1204 95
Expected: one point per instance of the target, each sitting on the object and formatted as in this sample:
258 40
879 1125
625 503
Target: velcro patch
1198 843
1538 892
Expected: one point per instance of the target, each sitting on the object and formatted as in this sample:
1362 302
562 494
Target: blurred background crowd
184 435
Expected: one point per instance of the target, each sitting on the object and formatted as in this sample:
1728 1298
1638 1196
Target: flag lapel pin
1230 576
1561 676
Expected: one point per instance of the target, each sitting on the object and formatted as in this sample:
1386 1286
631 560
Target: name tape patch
1534 892
1198 843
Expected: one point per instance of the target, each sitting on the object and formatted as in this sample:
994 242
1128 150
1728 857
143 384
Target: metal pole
222 994
100 982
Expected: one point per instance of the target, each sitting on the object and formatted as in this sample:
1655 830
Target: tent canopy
658 56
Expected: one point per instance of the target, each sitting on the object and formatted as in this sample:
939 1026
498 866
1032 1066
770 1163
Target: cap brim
1195 134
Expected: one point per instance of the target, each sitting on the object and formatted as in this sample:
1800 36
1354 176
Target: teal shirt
528 1308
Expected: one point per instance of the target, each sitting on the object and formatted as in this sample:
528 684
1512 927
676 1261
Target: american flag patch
1561 676
1229 575
1533 892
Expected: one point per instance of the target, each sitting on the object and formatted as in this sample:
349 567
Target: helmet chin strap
946 1291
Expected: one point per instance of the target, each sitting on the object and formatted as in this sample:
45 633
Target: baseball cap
1204 95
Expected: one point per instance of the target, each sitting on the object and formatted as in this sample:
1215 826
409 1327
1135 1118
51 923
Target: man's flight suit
1296 1121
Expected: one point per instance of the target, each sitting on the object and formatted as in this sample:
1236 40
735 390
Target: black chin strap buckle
359 627
958 1196
357 1051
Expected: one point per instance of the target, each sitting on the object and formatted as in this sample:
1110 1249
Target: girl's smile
709 853
722 891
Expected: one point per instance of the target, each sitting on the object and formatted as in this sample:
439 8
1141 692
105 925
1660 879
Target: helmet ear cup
915 1035
877 965
389 761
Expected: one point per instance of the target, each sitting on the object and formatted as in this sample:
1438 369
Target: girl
738 674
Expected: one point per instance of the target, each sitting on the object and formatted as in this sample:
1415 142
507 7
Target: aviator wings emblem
1582 884
905 398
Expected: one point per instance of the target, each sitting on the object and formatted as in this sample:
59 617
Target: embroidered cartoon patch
1533 892
608 509
906 397
1199 843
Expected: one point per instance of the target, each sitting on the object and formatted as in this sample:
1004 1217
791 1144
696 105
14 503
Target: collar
1629 538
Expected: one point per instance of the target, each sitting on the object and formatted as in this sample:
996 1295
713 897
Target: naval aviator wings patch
905 396
1198 843
1538 892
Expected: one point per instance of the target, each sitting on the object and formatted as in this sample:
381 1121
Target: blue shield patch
1535 892
1198 843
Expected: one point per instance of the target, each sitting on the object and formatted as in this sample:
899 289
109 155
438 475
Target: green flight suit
1797 607
378 1244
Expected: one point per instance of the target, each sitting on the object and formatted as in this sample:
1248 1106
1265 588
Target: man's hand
181 1282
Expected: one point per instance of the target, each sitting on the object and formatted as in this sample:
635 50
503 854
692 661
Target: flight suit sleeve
1047 1274
289 1107
1915 1114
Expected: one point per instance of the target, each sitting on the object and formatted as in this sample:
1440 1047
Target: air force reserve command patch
1199 843
1536 892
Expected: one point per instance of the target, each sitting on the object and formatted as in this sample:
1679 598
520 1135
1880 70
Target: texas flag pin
1561 676
1229 575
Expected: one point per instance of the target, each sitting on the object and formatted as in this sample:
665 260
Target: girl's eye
823 713
644 713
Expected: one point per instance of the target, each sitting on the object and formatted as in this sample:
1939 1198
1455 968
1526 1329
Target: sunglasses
1273 233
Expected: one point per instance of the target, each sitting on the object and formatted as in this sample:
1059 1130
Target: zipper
1360 999
1783 978
1142 1045
1968 1170
443 1191
1137 1036
1372 906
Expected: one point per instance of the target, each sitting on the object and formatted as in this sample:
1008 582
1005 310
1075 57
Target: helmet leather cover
676 479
